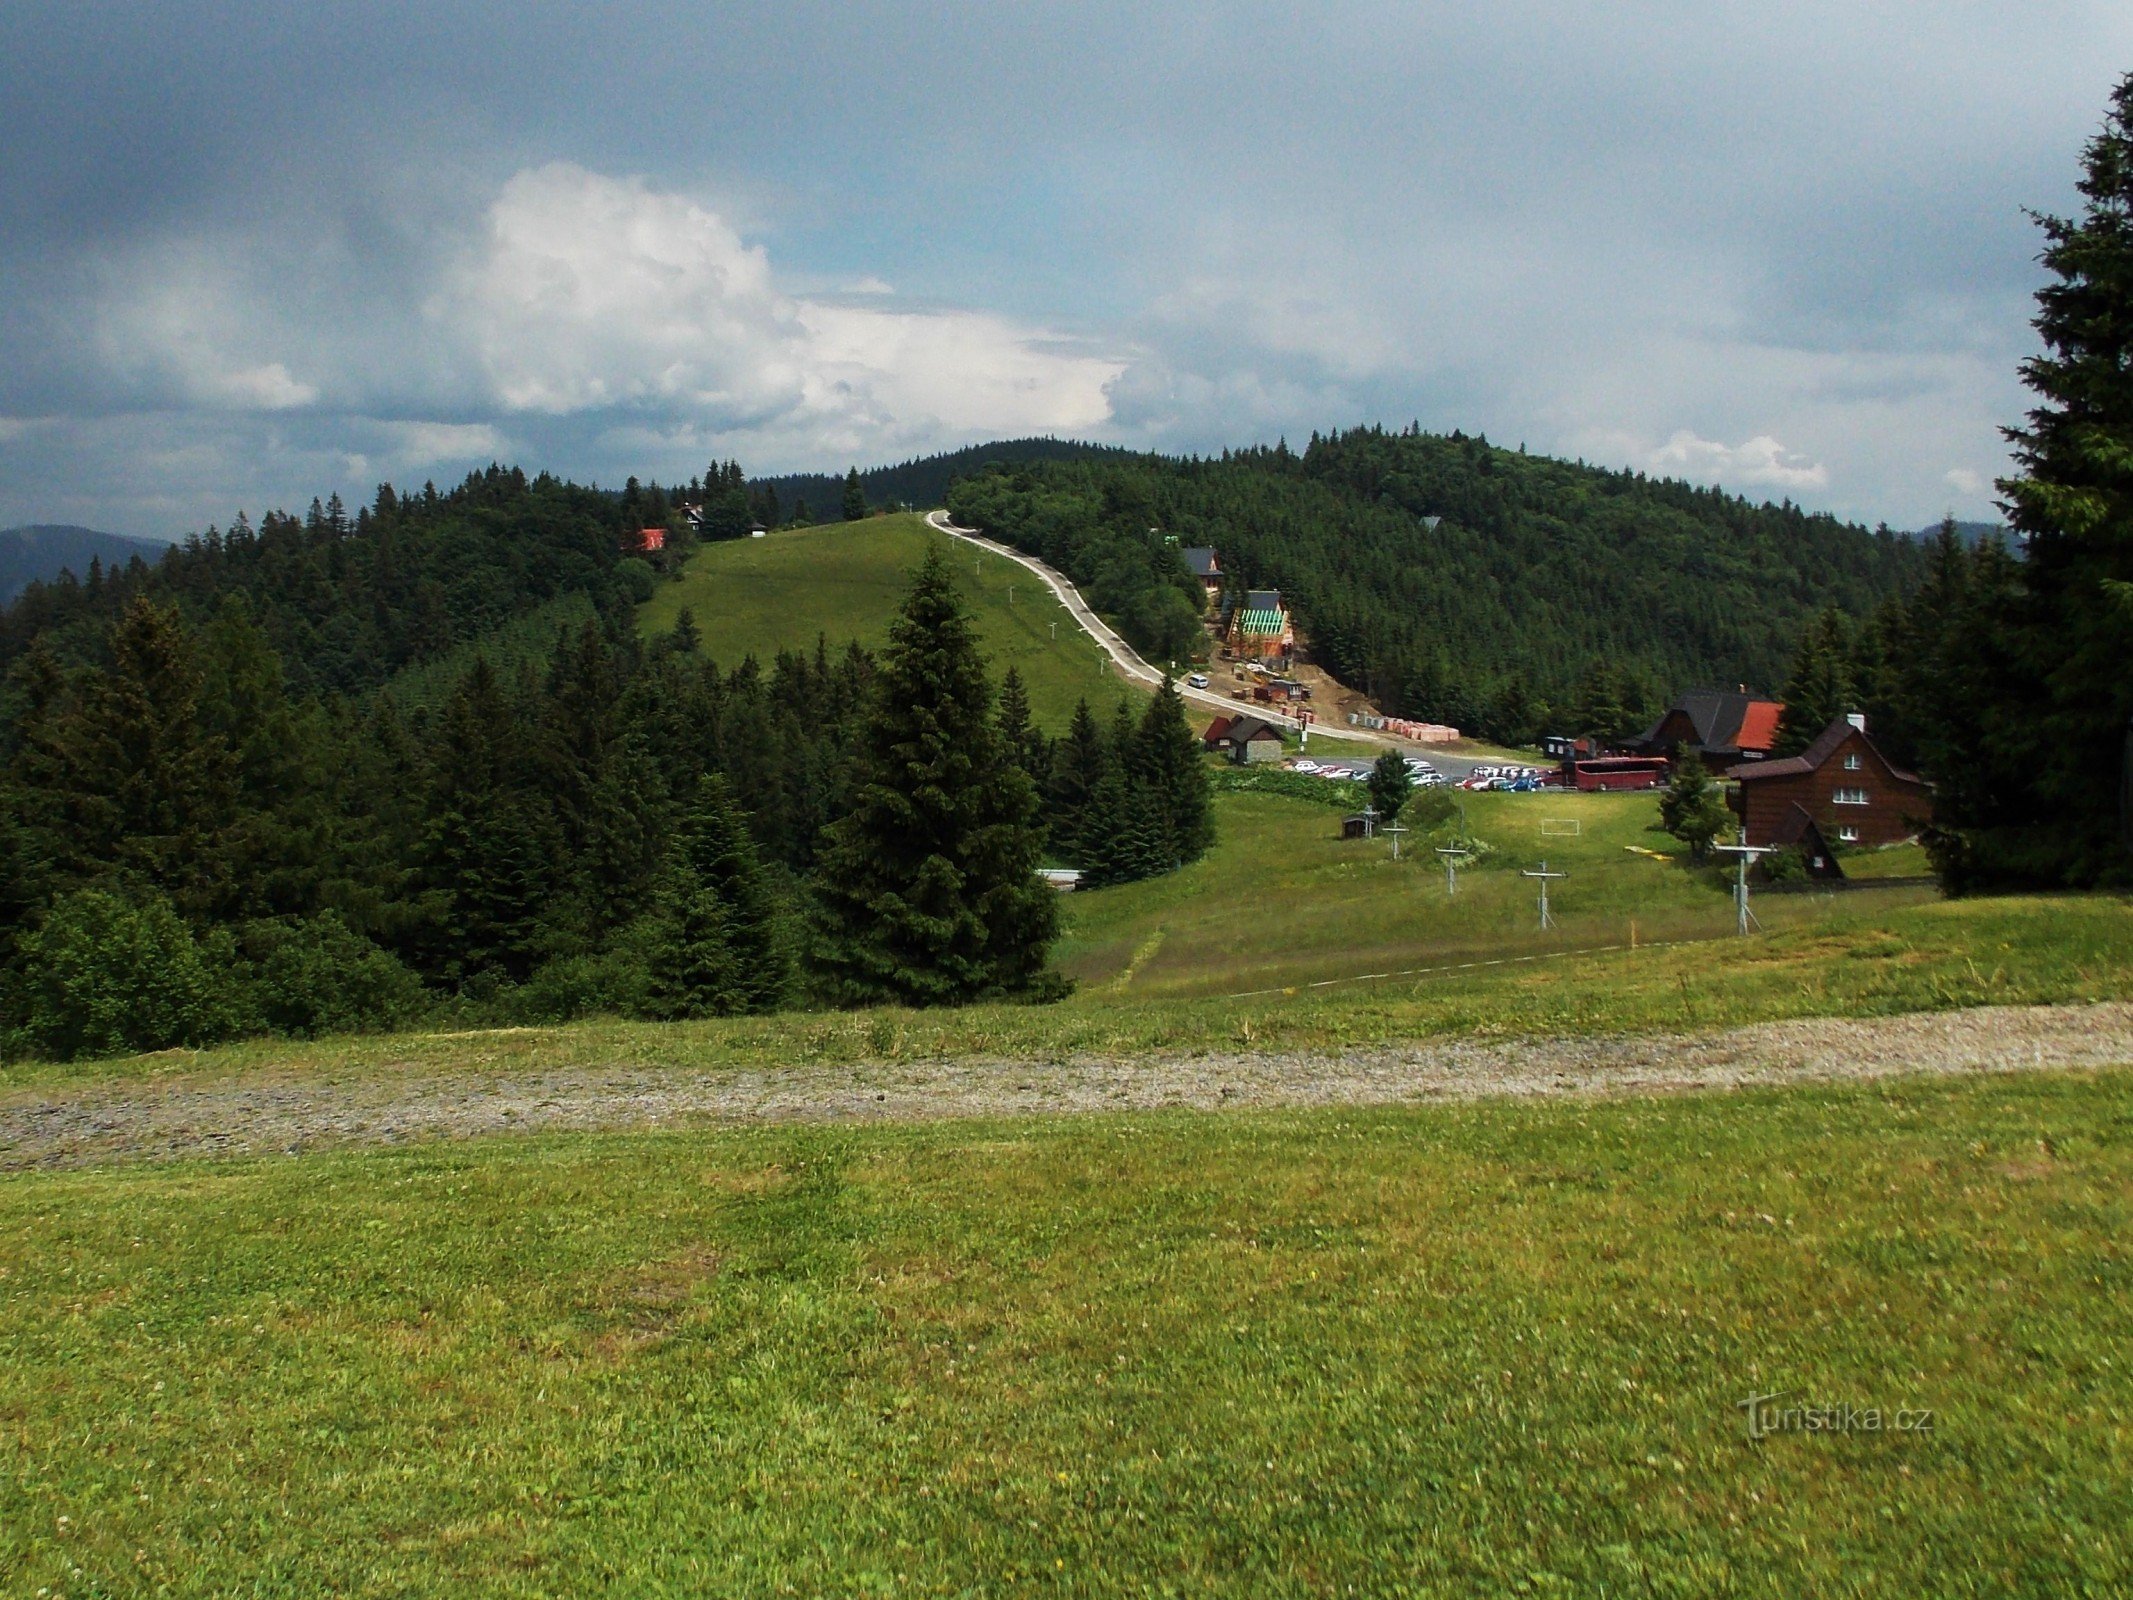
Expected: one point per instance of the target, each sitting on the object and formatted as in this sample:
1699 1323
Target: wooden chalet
1844 787
1245 739
1200 561
1728 726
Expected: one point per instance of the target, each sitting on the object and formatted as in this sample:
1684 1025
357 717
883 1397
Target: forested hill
40 553
922 481
348 601
1456 580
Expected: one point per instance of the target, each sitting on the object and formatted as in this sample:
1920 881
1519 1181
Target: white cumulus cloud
587 293
1760 461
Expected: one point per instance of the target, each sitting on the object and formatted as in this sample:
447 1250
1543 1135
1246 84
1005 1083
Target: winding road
1129 662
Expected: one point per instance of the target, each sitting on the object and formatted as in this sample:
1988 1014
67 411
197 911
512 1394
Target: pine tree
1820 688
717 949
855 497
1692 807
927 889
1025 741
2070 707
1079 764
1167 762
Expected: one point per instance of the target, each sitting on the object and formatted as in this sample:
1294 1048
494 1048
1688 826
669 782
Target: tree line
202 837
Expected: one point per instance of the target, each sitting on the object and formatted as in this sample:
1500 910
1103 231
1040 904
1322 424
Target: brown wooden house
1726 725
1246 740
1847 789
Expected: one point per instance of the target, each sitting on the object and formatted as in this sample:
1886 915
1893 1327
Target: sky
259 253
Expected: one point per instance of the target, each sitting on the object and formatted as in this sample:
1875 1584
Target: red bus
1616 772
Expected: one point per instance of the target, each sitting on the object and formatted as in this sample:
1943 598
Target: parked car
1475 780
1198 680
1305 765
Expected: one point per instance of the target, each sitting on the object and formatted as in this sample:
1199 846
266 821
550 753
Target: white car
1303 766
1198 680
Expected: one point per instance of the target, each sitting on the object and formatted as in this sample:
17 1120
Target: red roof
654 538
1759 725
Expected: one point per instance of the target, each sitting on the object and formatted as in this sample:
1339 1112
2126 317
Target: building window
1848 833
1850 797
1851 762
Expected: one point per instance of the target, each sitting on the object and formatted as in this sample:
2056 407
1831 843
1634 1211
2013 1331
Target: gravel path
266 1114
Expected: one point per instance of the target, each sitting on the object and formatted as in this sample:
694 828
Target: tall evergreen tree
927 889
717 950
1820 688
1079 762
1025 741
855 497
1167 762
2073 500
1692 807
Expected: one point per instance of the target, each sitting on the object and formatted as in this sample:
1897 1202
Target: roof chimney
1857 719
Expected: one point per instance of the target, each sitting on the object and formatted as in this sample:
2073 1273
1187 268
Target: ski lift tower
1545 877
1392 831
1453 854
1747 855
1369 815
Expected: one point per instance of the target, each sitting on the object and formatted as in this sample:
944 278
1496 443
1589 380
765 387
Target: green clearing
843 581
1283 900
1471 1350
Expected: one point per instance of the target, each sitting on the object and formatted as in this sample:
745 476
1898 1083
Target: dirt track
267 1114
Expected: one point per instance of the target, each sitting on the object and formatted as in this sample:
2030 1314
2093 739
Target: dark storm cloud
256 253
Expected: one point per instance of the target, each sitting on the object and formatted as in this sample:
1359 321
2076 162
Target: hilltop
844 581
923 481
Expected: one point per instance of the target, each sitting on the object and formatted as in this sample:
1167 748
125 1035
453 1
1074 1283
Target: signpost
1746 854
1544 875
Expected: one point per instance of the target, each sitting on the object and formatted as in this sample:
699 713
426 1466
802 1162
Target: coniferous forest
1451 579
270 783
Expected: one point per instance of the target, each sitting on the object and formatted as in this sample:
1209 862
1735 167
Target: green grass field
845 581
1284 900
1496 1349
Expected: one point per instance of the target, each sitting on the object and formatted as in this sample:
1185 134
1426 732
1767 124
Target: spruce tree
1820 688
2071 706
1167 762
1079 764
1692 807
927 889
855 497
717 950
1025 742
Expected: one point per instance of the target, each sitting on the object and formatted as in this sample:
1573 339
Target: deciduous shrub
105 975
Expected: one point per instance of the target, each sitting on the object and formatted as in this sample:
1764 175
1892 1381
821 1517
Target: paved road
1129 662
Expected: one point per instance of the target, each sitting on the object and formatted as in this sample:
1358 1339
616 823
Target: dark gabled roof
1718 716
1200 561
1798 827
1826 744
1263 600
1246 729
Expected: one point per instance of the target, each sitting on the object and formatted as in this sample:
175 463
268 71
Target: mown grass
1283 900
1857 960
1463 1351
844 581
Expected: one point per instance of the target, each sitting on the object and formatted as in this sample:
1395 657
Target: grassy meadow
845 581
1492 1349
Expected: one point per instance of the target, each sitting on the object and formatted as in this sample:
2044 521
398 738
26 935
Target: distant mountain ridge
39 552
1971 533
